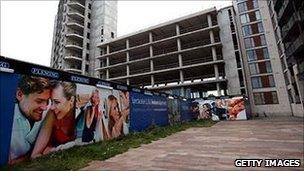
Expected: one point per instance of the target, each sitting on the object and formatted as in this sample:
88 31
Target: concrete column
127 44
213 50
216 72
107 74
128 81
211 36
180 60
152 80
151 51
128 70
107 61
181 76
218 89
127 56
151 65
209 20
177 29
108 49
150 37
179 46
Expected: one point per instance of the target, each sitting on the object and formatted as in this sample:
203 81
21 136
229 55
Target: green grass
79 156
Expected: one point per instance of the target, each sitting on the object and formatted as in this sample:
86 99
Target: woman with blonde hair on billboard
117 117
58 127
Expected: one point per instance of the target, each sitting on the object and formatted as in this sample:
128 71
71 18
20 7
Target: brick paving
216 147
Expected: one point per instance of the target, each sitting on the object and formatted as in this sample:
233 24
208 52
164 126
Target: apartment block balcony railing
74 34
73 69
76 16
74 45
73 57
295 46
82 2
77 5
287 27
73 10
75 22
282 9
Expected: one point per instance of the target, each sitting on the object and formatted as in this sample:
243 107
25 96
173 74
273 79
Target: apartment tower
79 27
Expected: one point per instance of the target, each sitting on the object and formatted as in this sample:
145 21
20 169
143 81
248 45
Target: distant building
79 27
288 22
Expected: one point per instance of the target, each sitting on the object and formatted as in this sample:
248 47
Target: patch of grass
79 156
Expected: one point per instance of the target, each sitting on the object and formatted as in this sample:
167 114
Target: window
112 34
242 7
255 41
87 56
247 30
89 25
258 15
88 35
260 68
262 81
253 29
88 46
90 6
244 18
102 31
265 98
250 17
89 15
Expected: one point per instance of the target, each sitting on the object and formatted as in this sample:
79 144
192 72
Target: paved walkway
216 147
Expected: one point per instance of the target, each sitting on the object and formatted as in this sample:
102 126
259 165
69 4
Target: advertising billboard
147 111
220 109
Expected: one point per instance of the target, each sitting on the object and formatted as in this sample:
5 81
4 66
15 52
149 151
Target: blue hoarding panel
8 84
185 111
147 110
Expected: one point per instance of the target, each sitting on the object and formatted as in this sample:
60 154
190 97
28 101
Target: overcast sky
27 26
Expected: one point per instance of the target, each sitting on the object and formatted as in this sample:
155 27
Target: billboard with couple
51 115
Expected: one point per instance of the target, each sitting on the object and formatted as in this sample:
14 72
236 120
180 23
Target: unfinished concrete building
188 56
79 26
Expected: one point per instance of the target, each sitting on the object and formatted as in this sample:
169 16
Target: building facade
79 26
185 56
288 22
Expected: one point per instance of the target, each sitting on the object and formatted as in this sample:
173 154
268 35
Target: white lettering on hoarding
45 73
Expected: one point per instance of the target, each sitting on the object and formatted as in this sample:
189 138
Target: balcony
76 70
75 24
76 15
74 46
289 25
77 5
283 8
296 46
74 35
73 57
